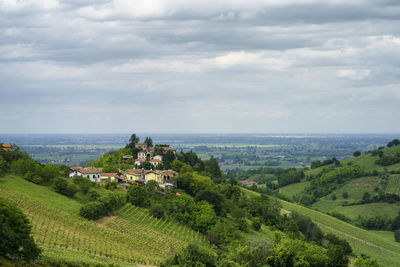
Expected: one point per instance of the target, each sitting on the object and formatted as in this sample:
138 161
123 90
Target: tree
60 185
215 199
136 195
134 139
148 141
212 167
394 142
157 211
365 261
397 235
357 154
193 255
169 157
345 195
16 241
203 217
151 186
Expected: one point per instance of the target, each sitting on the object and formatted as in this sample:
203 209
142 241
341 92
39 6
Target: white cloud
353 74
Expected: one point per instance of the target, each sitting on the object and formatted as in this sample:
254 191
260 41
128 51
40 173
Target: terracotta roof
89 170
5 147
134 171
76 168
155 160
109 174
170 173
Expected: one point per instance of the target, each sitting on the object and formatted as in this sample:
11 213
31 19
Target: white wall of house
74 173
94 177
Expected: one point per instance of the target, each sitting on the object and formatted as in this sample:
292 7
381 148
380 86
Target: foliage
148 141
364 261
136 195
318 163
393 143
326 182
83 183
103 206
15 234
357 154
157 211
215 199
290 177
223 233
290 252
193 255
397 235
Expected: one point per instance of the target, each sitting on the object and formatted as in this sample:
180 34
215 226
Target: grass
293 189
40 193
369 210
131 237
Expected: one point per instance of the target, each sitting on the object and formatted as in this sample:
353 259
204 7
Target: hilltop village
148 165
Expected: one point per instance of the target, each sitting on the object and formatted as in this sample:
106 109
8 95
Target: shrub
157 211
60 185
92 210
93 195
71 190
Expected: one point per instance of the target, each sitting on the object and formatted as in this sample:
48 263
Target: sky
178 66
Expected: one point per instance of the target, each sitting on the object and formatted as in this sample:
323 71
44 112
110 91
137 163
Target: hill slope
130 237
371 243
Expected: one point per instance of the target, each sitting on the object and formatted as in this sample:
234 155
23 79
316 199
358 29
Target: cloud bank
174 66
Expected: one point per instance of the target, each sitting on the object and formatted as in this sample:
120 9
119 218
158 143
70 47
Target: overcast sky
179 66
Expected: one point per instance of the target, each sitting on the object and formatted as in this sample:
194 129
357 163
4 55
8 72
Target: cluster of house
5 147
147 154
130 176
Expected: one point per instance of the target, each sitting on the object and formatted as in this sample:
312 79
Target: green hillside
377 244
386 251
130 237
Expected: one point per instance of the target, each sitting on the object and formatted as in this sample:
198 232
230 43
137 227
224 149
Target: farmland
130 237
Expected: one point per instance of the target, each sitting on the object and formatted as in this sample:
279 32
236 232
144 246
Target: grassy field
293 189
130 237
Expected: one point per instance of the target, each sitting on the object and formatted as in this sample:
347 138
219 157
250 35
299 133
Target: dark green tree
169 157
394 142
136 195
148 141
16 241
357 154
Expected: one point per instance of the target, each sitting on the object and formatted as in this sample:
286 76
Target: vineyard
393 185
131 237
